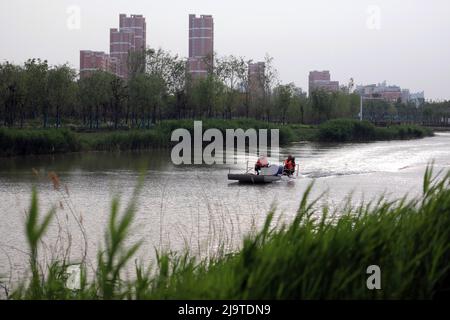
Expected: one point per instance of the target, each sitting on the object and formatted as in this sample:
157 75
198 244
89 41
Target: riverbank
21 142
316 256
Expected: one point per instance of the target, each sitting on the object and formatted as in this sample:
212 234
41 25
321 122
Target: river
193 207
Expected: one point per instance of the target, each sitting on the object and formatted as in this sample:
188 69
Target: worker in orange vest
289 166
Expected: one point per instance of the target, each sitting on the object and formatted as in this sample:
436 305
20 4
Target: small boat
253 178
270 174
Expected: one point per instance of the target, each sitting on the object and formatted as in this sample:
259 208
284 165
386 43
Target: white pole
361 108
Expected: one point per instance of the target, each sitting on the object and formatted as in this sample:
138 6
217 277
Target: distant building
417 98
405 96
389 93
91 61
321 80
201 45
130 37
256 75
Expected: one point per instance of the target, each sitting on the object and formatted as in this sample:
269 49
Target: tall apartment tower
201 45
130 37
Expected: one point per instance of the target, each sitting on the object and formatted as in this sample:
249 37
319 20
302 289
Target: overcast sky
404 42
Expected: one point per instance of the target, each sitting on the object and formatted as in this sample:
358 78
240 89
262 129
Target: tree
321 105
118 97
136 63
61 90
145 92
166 75
12 92
270 81
283 98
95 94
232 72
36 77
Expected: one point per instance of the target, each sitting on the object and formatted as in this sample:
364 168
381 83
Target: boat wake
330 174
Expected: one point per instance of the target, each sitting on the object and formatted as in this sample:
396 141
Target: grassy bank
40 141
344 130
319 255
34 141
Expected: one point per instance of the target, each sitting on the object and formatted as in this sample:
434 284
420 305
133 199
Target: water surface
193 207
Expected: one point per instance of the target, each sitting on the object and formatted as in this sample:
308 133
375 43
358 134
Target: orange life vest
289 165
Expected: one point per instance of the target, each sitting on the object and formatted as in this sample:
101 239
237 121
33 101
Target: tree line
159 87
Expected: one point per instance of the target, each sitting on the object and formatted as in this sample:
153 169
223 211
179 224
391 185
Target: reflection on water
195 207
98 162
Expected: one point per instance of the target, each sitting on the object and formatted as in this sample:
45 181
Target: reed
37 141
347 130
321 254
16 142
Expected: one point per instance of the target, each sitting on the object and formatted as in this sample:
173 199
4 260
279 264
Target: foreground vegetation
15 142
321 254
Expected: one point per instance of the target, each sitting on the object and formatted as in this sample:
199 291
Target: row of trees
159 88
437 113
36 91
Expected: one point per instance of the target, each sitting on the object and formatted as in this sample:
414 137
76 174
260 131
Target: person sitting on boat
289 166
262 162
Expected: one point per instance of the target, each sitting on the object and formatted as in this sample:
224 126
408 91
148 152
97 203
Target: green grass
48 141
37 141
124 140
320 255
343 130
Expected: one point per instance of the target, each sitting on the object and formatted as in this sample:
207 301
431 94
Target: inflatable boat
266 175
252 178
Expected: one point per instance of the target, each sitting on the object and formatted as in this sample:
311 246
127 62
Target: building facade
91 61
321 80
129 38
418 98
383 91
201 45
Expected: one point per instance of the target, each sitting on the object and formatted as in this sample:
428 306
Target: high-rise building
136 25
201 45
91 61
321 80
130 37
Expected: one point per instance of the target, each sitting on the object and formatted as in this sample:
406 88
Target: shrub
343 130
34 141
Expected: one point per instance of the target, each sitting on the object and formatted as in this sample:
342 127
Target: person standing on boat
289 166
262 162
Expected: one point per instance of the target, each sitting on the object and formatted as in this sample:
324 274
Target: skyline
409 48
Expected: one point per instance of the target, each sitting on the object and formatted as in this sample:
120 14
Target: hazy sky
404 42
